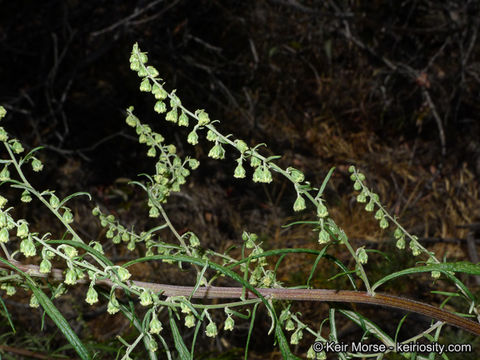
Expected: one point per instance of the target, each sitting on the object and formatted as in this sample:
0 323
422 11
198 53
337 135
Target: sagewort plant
85 264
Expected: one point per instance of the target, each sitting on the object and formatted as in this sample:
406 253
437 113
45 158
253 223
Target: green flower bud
96 211
203 118
211 330
54 201
322 211
132 120
92 295
123 273
160 107
362 197
415 248
113 305
134 65
37 165
17 147
362 256
172 115
241 146
22 230
3 202
26 198
323 237
190 321
217 152
174 100
154 212
27 247
171 149
194 241
229 324
296 337
70 277
379 214
155 325
400 244
4 235
185 309
4 174
297 175
34 302
145 85
383 223
152 152
3 134
193 163
255 162
351 169
45 266
152 345
131 245
3 112
211 136
146 298
267 175
398 233
70 251
370 206
159 92
97 246
183 119
289 325
67 216
299 204
9 289
268 279
125 236
239 170
152 71
142 57
48 254
142 72
357 185
110 233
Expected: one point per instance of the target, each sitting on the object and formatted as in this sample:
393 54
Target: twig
323 295
125 20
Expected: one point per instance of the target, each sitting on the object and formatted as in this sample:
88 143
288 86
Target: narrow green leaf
445 268
250 329
7 315
177 338
54 314
80 193
325 181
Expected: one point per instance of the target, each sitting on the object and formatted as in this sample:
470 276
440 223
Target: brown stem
345 296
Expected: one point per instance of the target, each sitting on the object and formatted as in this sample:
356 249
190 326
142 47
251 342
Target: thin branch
125 20
344 296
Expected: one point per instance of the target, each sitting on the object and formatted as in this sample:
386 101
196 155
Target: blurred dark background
389 86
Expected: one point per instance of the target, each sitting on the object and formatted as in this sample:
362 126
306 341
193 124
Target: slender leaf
67 198
54 314
177 338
